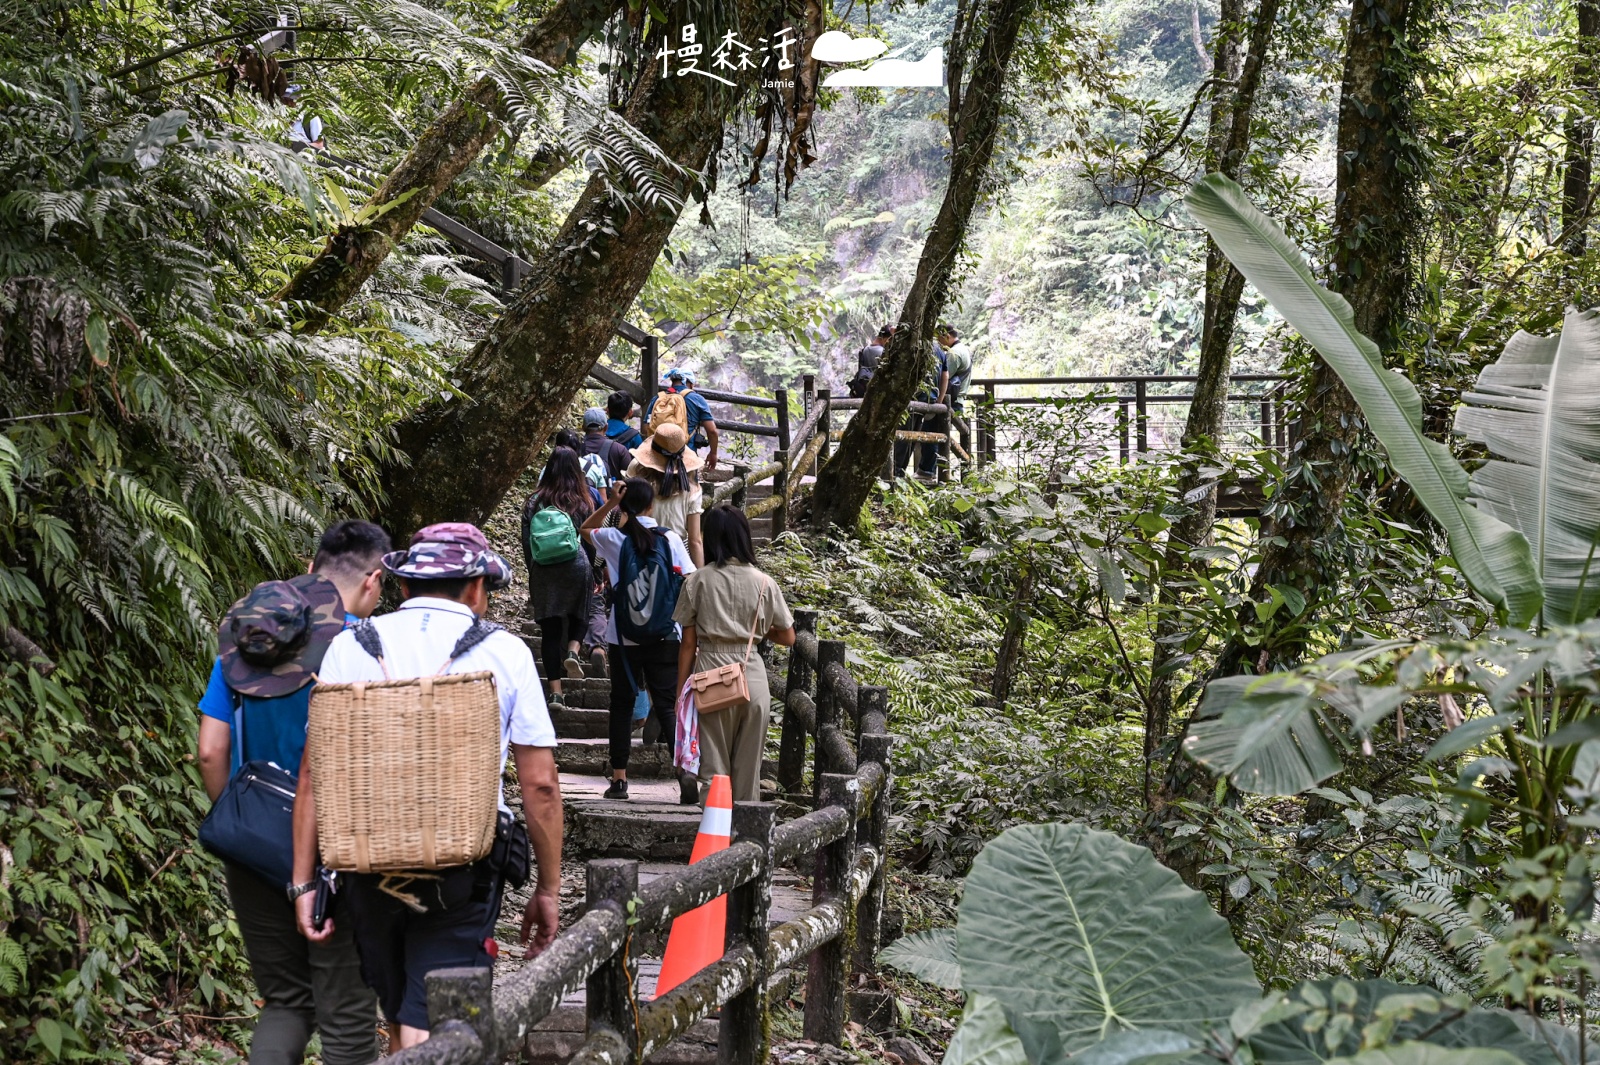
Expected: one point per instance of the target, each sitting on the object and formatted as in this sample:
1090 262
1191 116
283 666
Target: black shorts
400 947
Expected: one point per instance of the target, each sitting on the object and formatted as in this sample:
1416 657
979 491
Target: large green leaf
929 956
1494 556
1537 410
984 1037
1427 1054
1084 935
1262 733
1276 734
1562 1041
1414 1013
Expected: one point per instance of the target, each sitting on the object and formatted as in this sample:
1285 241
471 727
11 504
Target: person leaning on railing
723 608
408 924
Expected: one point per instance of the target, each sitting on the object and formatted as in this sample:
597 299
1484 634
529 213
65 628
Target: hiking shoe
688 790
556 700
574 667
597 663
617 790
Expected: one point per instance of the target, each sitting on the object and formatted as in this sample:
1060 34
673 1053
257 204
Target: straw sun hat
668 442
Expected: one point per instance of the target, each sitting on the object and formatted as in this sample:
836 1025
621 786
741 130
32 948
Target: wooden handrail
982 383
475 1023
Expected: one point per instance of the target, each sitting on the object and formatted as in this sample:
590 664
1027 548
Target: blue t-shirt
274 729
624 433
699 411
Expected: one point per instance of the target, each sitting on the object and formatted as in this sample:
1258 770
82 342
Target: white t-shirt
608 545
418 638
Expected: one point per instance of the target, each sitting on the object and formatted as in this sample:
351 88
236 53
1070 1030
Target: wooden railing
1262 421
843 840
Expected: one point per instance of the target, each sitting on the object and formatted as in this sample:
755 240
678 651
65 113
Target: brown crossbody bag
725 686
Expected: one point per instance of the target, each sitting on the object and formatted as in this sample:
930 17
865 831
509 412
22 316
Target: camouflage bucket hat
273 639
450 550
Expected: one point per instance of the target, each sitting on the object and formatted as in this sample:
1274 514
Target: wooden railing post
792 742
743 1034
943 473
874 747
1122 411
741 470
465 996
1266 422
829 652
873 703
1142 415
782 396
649 376
825 427
986 440
828 975
780 488
609 994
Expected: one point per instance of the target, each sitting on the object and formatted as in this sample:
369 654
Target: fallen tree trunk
440 155
467 453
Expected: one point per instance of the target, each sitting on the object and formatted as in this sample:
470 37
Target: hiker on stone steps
646 564
723 609
272 642
560 569
673 470
408 925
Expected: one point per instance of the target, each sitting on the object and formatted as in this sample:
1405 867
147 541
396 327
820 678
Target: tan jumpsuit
721 603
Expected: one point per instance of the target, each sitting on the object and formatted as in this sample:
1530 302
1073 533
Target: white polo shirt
418 638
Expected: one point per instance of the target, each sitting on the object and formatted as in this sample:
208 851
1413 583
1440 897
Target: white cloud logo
925 73
837 47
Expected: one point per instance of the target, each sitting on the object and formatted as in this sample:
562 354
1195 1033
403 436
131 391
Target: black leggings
654 667
555 634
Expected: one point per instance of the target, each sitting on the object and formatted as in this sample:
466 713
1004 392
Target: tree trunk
1575 197
1014 641
467 453
846 481
1376 224
1227 144
440 155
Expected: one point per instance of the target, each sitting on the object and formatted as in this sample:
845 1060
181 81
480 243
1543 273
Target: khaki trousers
732 741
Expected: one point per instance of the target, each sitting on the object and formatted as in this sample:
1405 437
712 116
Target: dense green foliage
165 440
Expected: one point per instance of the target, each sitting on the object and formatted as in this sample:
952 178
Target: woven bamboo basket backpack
406 773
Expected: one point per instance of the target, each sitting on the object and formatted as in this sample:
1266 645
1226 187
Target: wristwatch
294 891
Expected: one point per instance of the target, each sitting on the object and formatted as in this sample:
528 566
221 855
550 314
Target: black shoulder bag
252 821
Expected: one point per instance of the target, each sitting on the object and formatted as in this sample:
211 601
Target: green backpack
552 539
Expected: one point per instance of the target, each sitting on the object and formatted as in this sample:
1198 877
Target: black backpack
866 365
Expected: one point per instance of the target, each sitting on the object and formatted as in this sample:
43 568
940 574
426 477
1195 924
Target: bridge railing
1254 416
843 840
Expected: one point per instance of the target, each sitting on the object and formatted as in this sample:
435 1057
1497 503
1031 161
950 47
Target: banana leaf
1494 556
1537 410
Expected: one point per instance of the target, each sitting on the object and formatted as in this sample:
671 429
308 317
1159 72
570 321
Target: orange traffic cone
700 936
